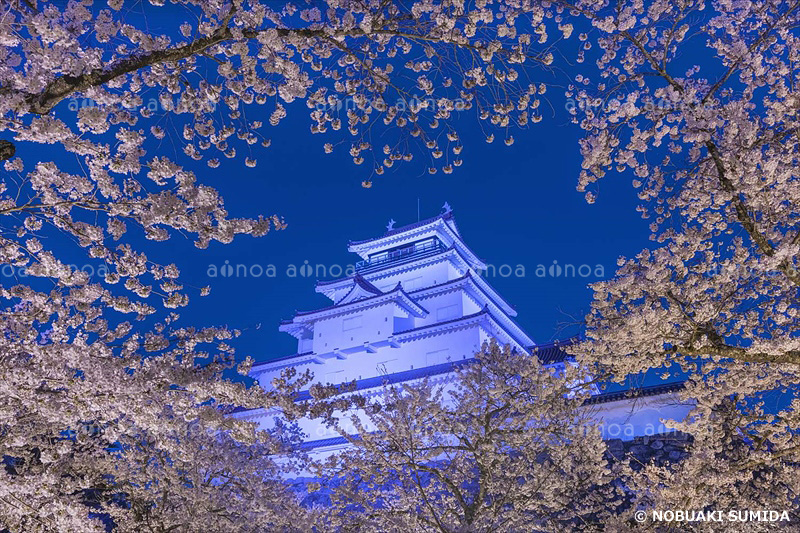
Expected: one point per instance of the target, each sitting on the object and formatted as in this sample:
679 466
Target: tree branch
740 354
62 87
743 215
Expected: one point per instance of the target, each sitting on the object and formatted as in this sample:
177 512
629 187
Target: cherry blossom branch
718 349
761 38
62 87
744 218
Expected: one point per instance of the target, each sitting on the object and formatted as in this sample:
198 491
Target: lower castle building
416 305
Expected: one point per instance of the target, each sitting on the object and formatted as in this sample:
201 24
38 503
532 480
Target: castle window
447 312
437 357
351 323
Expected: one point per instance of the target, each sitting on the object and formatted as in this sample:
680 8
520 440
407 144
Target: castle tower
414 305
416 301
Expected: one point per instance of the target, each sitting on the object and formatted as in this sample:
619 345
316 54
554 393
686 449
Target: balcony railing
402 255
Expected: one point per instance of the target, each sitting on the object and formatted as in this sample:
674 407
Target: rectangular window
335 377
353 322
447 312
437 357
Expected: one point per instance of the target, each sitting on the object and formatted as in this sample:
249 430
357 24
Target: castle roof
442 227
477 281
448 216
296 325
361 289
553 352
549 354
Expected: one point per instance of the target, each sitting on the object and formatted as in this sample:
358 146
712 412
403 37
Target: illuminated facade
416 305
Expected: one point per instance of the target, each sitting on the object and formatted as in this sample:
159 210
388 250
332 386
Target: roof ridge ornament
446 209
390 225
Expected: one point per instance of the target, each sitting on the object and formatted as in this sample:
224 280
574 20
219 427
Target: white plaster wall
416 278
451 345
442 307
635 417
354 328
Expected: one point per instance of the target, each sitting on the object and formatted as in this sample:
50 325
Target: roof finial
446 208
390 225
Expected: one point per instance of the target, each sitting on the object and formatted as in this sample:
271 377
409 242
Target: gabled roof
361 289
444 216
479 282
397 295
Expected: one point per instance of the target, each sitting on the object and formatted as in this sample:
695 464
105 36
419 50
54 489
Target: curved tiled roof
398 289
407 227
366 285
444 216
638 392
553 352
359 283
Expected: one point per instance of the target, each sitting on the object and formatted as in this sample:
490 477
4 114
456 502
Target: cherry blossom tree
713 158
696 101
141 441
408 67
229 485
505 446
725 471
